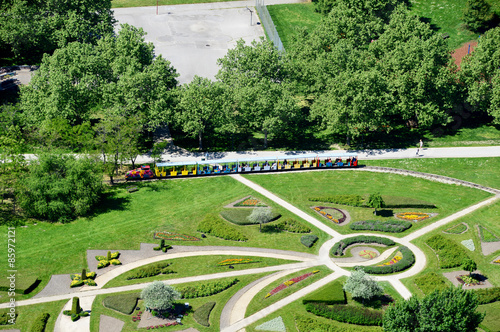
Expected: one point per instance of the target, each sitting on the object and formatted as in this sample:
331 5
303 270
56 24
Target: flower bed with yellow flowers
320 210
250 202
413 216
396 259
290 282
234 261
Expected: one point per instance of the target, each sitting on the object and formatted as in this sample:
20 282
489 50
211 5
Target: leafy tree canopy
159 296
477 14
361 286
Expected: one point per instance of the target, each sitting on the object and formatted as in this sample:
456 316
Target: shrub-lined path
232 317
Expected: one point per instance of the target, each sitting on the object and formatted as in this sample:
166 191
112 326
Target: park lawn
145 3
259 301
204 265
28 314
188 321
289 18
478 135
487 217
491 323
124 220
483 171
297 187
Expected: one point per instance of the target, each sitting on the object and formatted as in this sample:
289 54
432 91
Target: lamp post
251 12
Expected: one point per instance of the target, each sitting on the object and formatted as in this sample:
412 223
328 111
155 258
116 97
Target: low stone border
346 217
463 223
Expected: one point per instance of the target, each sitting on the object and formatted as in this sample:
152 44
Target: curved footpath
233 315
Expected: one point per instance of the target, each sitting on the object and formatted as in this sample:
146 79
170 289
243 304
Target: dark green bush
240 216
206 289
150 271
308 240
5 317
40 323
351 199
333 293
217 227
347 313
75 317
449 253
124 303
488 295
202 314
75 307
292 226
391 226
407 261
339 247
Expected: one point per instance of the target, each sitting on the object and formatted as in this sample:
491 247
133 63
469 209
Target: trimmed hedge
405 262
217 227
202 314
347 313
488 295
150 271
40 323
333 293
339 247
206 289
449 253
23 285
352 200
391 226
430 282
5 317
292 226
308 240
312 324
239 216
124 303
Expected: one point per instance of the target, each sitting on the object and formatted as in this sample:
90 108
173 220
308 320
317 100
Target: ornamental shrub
206 289
159 296
151 270
75 317
292 226
5 317
308 240
215 226
339 247
391 226
202 314
351 199
449 253
488 295
407 261
75 307
347 313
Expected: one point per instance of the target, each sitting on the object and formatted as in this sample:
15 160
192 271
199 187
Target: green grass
296 188
144 3
125 220
240 216
124 303
487 236
491 323
478 135
429 282
204 265
287 18
457 229
483 171
28 315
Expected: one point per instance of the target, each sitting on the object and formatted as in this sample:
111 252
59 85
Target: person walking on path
420 146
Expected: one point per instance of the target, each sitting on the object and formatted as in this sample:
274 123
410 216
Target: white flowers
275 325
469 244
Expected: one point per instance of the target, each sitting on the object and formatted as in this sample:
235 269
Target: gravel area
149 320
452 276
58 285
490 247
110 324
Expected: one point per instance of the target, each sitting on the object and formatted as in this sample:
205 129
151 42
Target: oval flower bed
234 261
174 236
396 259
413 216
290 282
320 209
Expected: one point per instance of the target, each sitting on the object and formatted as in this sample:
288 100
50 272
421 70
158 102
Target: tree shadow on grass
110 202
385 213
377 302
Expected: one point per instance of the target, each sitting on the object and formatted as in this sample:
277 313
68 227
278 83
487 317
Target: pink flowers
290 282
161 325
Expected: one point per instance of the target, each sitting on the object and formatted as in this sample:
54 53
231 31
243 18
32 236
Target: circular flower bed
174 236
413 216
367 254
320 210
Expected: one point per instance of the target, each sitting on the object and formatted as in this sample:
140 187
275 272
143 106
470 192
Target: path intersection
233 314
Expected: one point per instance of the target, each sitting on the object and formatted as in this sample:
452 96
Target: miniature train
246 165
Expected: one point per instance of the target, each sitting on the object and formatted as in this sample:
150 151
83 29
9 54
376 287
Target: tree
361 286
75 307
60 187
32 28
477 14
375 201
480 74
469 265
260 216
158 296
452 309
